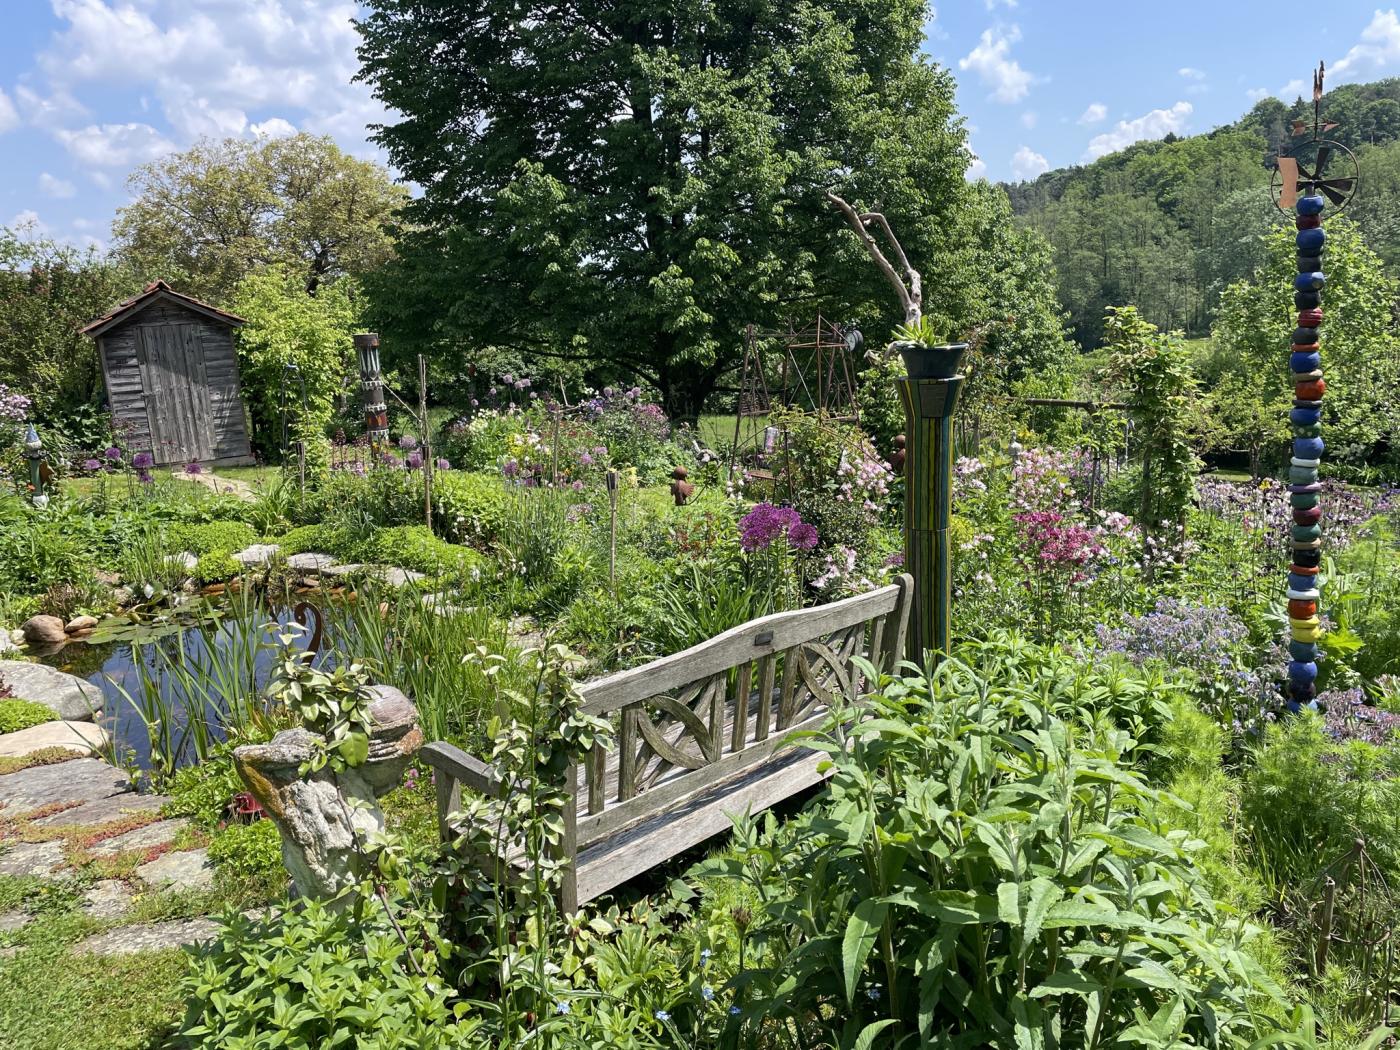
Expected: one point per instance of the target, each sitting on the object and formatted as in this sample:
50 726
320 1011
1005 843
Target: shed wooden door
177 392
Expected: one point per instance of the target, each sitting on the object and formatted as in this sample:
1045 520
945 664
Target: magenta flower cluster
1059 544
762 526
13 406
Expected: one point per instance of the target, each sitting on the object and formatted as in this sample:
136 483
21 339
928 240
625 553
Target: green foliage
42 553
1363 378
18 714
202 791
211 537
1154 368
929 330
208 217
285 326
216 567
415 547
625 239
48 291
991 871
468 507
364 971
333 704
249 854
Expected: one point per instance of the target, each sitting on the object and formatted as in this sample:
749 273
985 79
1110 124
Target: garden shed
171 374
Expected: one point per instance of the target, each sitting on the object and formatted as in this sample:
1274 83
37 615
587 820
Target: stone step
186 870
127 940
68 696
78 780
161 833
81 737
106 899
310 562
256 556
40 859
104 810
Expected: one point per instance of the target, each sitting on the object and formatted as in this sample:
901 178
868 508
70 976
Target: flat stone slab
82 737
342 571
78 780
11 921
68 696
187 870
105 810
107 899
258 555
310 562
32 858
396 577
128 940
439 603
161 833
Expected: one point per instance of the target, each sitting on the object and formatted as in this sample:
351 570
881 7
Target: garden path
69 818
226 486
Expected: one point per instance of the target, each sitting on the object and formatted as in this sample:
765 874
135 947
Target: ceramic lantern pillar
928 474
1304 487
372 389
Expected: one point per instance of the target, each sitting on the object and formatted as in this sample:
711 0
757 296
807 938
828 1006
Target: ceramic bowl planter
922 361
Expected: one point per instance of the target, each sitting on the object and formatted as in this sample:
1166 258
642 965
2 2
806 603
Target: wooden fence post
929 405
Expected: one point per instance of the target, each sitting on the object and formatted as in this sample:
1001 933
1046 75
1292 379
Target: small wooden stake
612 529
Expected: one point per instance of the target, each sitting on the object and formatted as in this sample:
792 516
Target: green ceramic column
928 499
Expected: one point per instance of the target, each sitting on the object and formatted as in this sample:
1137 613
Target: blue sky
91 88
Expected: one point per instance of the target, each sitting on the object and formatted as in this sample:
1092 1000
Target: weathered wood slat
743 683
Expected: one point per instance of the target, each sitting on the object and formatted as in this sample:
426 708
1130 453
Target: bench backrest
686 721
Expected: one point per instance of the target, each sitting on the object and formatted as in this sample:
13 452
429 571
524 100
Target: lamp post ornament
1308 176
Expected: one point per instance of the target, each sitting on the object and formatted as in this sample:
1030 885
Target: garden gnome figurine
897 455
681 490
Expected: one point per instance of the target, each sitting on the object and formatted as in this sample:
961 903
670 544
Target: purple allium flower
91 465
764 524
510 468
578 486
194 467
802 536
142 460
442 464
585 459
407 442
414 460
113 453
475 402
145 477
507 378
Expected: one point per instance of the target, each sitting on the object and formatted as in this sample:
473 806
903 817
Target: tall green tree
206 218
633 183
48 291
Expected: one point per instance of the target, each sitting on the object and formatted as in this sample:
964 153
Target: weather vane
1303 169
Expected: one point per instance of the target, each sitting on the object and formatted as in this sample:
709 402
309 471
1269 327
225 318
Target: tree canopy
632 184
205 218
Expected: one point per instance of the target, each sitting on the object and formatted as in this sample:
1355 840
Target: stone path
93 795
229 486
82 737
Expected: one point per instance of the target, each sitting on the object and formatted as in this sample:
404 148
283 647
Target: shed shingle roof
153 292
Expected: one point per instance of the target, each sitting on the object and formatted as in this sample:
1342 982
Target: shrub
216 567
414 547
250 853
23 714
303 539
989 870
322 975
42 553
207 538
469 508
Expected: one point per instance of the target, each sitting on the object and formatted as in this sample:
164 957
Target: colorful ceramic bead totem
1304 487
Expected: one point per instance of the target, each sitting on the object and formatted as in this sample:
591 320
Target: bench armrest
464 768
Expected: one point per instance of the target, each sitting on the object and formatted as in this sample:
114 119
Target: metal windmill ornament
1318 165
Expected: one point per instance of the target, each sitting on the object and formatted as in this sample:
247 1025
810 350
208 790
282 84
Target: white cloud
1095 112
1191 73
1154 125
115 145
1029 118
977 169
992 5
29 222
9 116
1027 164
1377 51
273 128
1255 94
216 67
992 62
59 189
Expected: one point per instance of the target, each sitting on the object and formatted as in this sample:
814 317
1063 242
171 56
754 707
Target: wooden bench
701 735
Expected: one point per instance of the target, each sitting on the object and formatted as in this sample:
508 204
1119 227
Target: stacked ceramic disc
1304 487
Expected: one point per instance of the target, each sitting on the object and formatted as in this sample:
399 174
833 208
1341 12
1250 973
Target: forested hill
1168 224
